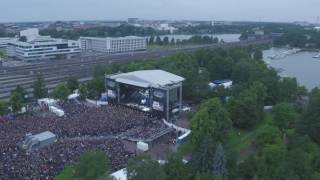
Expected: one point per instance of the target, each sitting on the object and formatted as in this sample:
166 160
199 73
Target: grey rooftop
147 78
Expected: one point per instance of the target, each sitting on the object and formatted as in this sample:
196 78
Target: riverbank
301 66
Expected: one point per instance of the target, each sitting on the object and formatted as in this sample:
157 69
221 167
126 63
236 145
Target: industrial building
155 91
113 45
36 47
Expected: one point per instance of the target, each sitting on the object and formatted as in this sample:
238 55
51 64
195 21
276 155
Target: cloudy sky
252 10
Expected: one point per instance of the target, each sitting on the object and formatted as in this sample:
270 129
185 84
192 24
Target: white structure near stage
120 175
112 45
36 47
142 146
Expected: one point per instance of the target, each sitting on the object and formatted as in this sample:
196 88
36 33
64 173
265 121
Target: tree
1 54
186 66
95 87
16 101
202 176
23 39
166 40
268 136
202 157
92 165
66 174
159 41
247 169
288 89
3 108
72 84
258 55
271 159
219 164
151 40
22 92
310 123
243 110
39 88
296 165
246 109
83 91
284 116
144 168
172 42
175 168
61 92
211 122
99 71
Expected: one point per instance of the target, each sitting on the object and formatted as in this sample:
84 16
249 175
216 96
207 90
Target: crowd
79 121
50 161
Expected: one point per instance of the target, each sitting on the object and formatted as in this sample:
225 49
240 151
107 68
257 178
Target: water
225 37
301 66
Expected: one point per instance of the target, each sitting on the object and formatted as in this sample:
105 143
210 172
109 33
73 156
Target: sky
234 10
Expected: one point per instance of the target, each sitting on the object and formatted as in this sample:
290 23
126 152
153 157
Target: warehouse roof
148 78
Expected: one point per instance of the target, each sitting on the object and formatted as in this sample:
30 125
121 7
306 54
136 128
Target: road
56 71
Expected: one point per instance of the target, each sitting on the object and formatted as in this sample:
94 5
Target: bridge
82 68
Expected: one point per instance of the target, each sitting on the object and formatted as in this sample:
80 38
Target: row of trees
123 30
292 35
20 98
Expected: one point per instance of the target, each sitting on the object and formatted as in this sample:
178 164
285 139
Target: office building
4 42
36 47
113 45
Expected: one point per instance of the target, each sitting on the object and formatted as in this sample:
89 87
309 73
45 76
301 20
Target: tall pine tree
219 164
39 88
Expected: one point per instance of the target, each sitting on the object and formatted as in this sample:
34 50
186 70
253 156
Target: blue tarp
220 81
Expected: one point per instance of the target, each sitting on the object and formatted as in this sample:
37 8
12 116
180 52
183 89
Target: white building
113 45
5 41
39 47
167 27
317 28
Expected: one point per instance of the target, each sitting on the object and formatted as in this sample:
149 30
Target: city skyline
229 10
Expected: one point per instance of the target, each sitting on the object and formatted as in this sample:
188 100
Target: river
301 66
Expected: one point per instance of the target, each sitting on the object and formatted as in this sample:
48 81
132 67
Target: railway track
56 71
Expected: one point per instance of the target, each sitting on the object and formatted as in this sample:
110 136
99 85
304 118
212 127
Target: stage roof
147 78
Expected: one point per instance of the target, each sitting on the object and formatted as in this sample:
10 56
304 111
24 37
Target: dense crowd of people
79 121
50 161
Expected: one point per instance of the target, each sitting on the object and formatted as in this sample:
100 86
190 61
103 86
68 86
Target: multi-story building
5 41
114 45
36 47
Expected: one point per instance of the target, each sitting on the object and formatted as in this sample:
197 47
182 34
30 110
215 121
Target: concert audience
79 121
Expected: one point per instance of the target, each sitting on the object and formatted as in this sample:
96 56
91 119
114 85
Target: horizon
209 10
125 20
